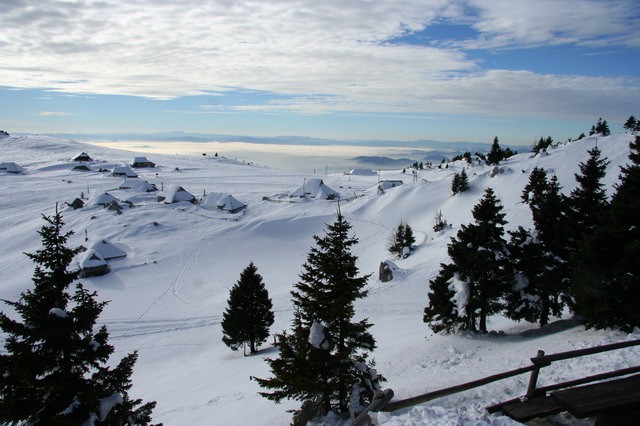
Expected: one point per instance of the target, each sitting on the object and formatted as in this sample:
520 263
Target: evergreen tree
324 360
53 371
543 144
534 297
550 212
249 313
631 124
480 269
589 200
455 183
602 127
439 222
442 313
496 154
401 241
463 183
606 276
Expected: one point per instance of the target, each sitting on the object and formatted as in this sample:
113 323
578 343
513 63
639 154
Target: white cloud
319 57
54 113
522 23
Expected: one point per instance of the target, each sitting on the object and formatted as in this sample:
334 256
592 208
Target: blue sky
386 70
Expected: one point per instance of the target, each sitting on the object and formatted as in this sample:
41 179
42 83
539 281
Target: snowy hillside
168 295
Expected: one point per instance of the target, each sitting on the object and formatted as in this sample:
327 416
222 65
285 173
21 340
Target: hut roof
177 194
83 156
123 171
103 199
108 250
314 188
10 167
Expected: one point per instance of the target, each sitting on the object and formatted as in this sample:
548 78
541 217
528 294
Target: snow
317 337
57 312
107 250
91 259
168 295
461 294
314 188
107 404
103 199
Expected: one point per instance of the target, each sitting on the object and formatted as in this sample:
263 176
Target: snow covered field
168 295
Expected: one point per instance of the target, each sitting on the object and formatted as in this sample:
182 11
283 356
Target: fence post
533 380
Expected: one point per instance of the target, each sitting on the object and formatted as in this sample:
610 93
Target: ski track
126 328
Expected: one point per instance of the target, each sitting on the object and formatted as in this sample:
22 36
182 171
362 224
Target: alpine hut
176 194
10 168
92 264
314 188
108 250
123 171
83 156
142 162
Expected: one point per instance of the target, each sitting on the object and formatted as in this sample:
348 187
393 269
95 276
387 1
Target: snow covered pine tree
323 362
53 371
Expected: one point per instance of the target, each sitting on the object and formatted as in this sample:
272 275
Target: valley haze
294 153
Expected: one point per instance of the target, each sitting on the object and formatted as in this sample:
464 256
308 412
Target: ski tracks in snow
175 287
121 329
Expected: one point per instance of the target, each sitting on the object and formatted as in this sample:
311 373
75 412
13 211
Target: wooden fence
538 362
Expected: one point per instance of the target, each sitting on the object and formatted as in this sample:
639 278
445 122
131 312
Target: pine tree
631 124
455 183
589 200
606 276
401 241
496 154
324 360
249 313
53 371
550 212
543 144
480 268
463 183
439 222
534 297
602 127
442 313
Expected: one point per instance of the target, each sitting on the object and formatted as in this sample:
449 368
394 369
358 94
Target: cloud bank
316 57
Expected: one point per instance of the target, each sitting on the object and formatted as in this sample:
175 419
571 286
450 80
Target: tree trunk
483 321
544 311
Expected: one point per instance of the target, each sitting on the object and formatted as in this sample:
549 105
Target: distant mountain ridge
179 136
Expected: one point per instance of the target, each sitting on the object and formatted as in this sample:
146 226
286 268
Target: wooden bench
600 398
597 399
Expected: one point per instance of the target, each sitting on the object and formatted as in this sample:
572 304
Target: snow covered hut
80 168
123 171
10 167
361 172
83 156
314 188
383 185
108 250
176 194
76 204
230 204
137 185
92 264
103 199
142 162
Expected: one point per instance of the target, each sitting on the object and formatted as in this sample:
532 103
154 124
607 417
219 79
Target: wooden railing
539 361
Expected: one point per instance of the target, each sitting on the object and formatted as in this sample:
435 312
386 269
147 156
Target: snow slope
167 296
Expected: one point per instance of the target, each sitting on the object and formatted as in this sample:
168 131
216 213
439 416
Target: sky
447 70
